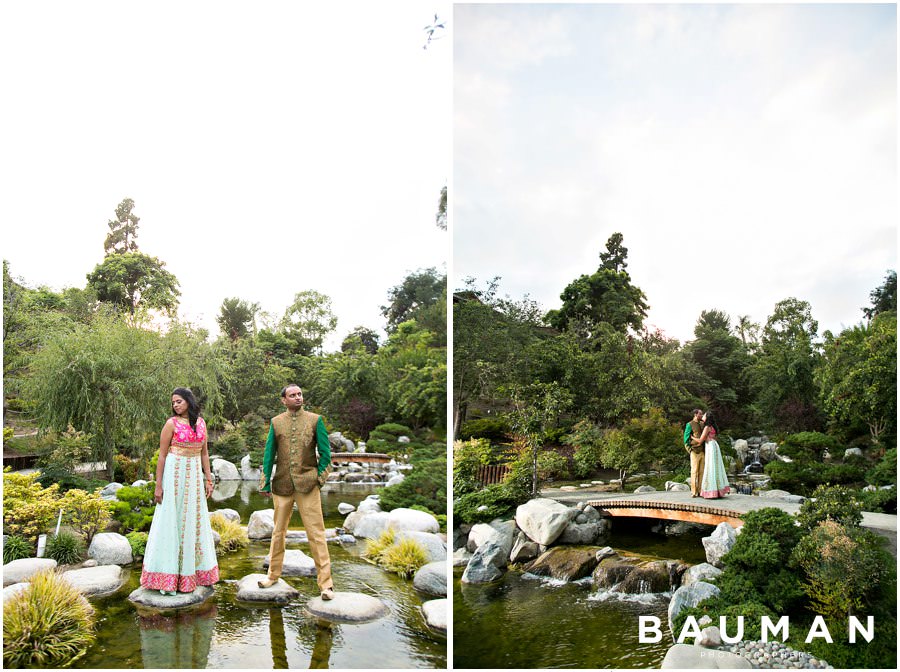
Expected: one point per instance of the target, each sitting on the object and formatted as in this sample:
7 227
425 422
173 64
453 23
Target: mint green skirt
181 552
715 482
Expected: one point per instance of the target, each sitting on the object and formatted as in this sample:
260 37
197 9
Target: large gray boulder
461 557
413 520
99 580
435 613
110 548
348 608
367 526
702 572
689 596
249 590
154 601
261 524
227 514
767 451
18 571
673 486
488 564
396 479
687 657
719 543
657 576
109 492
344 508
853 452
742 448
432 579
644 489
593 532
223 470
523 549
565 563
248 473
435 547
369 505
544 520
296 563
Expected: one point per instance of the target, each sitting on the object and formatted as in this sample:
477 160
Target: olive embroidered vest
296 466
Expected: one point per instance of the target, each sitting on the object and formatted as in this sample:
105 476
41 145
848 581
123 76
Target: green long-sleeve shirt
322 443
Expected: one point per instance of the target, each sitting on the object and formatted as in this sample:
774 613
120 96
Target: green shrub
404 558
831 503
844 566
587 439
879 501
67 450
425 485
138 543
128 469
468 457
65 548
49 624
232 535
28 509
135 506
494 429
87 512
16 548
497 500
808 445
230 446
552 466
423 453
885 471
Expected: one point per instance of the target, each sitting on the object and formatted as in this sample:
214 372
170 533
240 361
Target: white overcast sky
747 153
270 147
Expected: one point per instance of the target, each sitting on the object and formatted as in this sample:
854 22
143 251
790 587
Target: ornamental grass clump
49 624
16 548
404 558
376 547
231 535
65 548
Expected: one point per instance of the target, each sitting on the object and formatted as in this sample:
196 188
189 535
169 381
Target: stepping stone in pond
348 608
435 613
24 568
296 563
153 601
99 580
249 590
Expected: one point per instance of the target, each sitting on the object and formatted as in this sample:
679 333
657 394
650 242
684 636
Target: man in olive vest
294 437
693 430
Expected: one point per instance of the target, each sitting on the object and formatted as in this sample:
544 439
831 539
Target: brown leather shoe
328 594
267 582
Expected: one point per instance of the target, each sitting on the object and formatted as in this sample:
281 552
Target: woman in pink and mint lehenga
714 484
181 553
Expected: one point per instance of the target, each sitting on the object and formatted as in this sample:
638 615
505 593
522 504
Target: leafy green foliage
65 548
498 501
230 446
138 543
425 485
808 445
49 624
237 317
133 280
587 438
308 320
885 472
468 457
16 548
879 501
135 506
68 450
494 429
418 291
843 565
28 509
834 503
85 512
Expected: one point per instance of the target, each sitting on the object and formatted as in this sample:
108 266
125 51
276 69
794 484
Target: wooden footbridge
681 506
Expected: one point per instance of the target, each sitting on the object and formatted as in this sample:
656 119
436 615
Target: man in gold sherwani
295 437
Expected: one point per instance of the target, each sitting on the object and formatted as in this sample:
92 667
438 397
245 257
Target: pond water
522 621
228 634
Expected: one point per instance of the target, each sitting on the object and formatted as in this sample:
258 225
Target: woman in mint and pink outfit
714 483
181 553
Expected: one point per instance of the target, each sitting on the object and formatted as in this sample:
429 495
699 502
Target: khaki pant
310 506
698 461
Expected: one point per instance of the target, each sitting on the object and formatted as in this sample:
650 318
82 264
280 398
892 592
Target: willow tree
114 381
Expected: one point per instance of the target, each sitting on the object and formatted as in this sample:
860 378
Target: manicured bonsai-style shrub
28 509
833 502
135 506
86 512
425 485
66 548
49 624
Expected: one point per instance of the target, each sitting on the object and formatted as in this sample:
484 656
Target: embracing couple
708 479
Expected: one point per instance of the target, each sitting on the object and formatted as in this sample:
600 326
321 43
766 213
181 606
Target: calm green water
525 622
226 634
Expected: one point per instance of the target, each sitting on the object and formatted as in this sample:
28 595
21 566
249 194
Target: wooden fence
493 473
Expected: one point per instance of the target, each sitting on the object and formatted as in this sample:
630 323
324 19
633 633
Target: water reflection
179 641
225 490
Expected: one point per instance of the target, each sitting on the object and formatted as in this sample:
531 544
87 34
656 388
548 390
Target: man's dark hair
285 388
694 412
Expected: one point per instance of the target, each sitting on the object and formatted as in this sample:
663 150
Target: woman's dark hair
193 406
711 421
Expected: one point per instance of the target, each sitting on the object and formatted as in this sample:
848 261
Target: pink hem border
715 494
182 584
